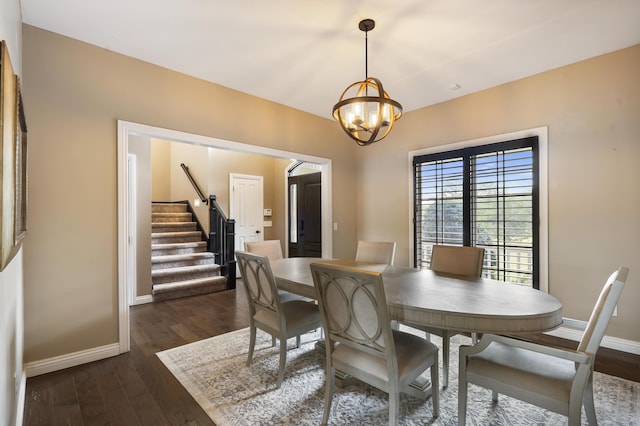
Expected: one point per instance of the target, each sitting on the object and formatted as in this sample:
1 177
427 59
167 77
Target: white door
246 207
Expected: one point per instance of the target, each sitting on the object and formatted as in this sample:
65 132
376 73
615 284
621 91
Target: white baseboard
141 300
572 330
50 365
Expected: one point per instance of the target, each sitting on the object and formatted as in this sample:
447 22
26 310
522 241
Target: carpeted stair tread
195 271
177 260
174 257
164 227
168 208
170 234
182 273
179 237
189 244
178 248
174 290
170 217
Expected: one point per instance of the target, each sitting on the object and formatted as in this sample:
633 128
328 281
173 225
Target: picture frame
20 223
13 161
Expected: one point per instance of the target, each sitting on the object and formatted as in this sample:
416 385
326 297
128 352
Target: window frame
543 241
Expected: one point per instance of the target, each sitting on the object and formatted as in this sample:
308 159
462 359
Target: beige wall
592 110
11 278
74 94
196 159
160 174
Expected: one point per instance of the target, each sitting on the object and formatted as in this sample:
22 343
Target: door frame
289 207
126 128
132 230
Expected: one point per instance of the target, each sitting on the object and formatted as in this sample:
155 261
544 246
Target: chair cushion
298 314
538 373
287 296
412 352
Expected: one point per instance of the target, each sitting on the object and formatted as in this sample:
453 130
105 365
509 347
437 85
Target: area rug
214 372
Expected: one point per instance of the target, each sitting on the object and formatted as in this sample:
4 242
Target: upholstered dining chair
273 250
281 319
556 379
360 341
458 260
269 248
376 252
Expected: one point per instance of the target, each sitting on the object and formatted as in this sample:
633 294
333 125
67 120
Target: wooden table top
440 300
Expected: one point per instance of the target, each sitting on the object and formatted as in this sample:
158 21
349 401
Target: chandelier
365 111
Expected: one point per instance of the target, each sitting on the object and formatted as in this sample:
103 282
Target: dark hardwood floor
136 389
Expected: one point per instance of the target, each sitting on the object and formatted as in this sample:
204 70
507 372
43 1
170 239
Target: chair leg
283 361
445 358
494 396
328 393
298 341
252 343
394 405
462 391
587 401
435 388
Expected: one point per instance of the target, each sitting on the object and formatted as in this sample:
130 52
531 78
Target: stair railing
222 233
194 183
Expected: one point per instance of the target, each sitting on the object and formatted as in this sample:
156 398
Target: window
486 196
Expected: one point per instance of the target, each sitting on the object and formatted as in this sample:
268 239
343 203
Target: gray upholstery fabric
297 314
410 350
269 248
540 373
376 252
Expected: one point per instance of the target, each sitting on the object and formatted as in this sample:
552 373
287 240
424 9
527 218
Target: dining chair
270 248
273 250
281 319
458 260
557 379
360 341
376 252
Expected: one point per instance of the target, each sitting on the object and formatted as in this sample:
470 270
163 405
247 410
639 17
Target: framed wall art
13 161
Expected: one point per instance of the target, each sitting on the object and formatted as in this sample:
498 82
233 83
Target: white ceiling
304 53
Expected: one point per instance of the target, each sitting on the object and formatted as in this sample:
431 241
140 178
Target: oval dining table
474 305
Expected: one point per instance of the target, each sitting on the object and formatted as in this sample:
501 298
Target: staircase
180 263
